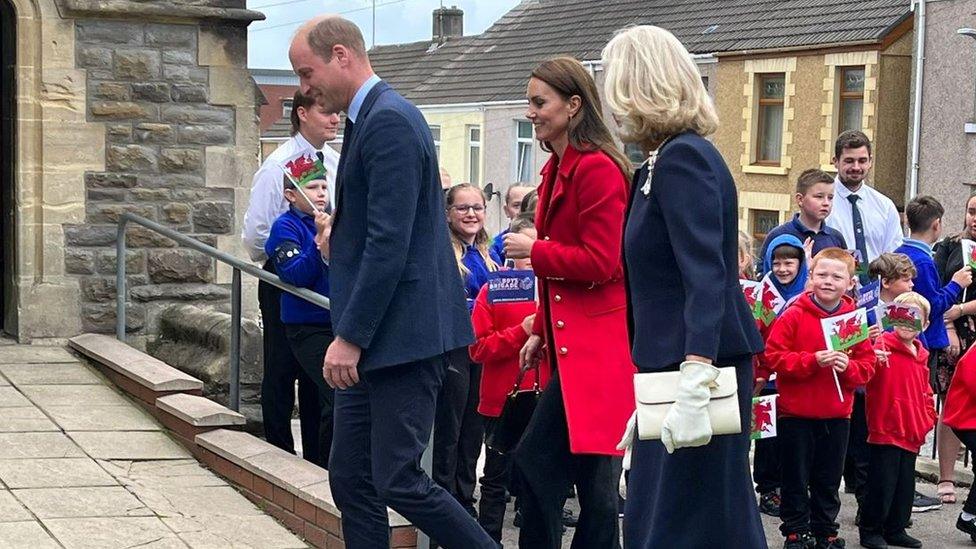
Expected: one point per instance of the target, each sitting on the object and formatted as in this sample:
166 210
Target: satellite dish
490 190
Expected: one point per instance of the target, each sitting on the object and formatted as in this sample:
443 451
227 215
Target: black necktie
321 156
859 233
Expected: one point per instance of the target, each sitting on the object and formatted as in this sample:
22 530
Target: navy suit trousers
382 426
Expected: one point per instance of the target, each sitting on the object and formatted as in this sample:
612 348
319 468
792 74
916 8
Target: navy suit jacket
681 258
396 288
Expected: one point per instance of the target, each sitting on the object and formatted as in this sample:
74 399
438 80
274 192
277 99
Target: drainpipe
917 107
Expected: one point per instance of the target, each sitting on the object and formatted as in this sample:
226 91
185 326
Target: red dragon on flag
763 417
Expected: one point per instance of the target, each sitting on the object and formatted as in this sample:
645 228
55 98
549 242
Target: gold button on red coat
560 324
558 298
563 350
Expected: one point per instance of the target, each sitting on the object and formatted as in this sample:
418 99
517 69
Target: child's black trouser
887 505
812 456
969 439
308 343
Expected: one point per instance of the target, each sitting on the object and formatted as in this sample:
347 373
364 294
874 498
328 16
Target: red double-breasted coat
582 300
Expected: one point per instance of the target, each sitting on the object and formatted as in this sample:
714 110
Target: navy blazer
681 260
396 288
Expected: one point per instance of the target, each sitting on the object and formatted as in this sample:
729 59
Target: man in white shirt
867 219
311 127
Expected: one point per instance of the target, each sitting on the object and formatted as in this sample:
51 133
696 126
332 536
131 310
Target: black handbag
516 413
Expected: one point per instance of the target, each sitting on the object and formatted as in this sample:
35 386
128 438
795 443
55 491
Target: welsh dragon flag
763 417
846 330
750 289
898 314
969 252
769 302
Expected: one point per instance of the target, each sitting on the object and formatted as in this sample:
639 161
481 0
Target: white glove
626 444
687 424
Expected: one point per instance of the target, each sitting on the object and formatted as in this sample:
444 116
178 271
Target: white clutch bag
655 394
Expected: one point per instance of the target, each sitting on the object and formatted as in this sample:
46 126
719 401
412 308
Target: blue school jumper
291 247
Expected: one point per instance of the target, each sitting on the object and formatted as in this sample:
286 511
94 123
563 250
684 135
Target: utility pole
374 25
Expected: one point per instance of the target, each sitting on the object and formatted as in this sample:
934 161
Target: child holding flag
501 329
291 248
786 265
816 387
900 413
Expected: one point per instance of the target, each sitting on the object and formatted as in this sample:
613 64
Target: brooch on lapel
651 160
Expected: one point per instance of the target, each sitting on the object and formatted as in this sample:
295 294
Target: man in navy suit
398 304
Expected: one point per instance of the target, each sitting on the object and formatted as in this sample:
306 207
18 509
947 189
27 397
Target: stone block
101 418
210 193
179 292
53 473
179 265
179 57
132 158
97 288
159 134
150 195
184 36
235 446
146 370
109 32
94 57
286 471
176 212
113 180
223 46
205 135
94 501
100 317
40 299
180 160
189 93
141 237
135 262
79 261
157 92
89 235
232 86
173 181
137 64
113 91
119 133
62 95
184 73
213 217
197 114
120 110
106 195
199 411
111 213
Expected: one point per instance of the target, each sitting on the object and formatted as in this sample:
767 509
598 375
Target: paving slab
10 397
3 381
73 395
102 418
53 473
37 445
167 473
101 533
50 374
25 419
175 501
134 445
10 509
29 354
101 501
233 532
25 535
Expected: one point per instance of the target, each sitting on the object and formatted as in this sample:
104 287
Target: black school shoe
967 526
902 539
800 541
831 542
769 504
873 540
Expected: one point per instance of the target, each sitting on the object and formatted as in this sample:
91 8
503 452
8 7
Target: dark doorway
8 117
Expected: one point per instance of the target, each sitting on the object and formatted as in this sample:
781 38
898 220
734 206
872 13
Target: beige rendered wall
890 151
499 155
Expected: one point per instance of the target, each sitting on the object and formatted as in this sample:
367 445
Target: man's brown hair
836 254
810 178
851 139
892 266
333 31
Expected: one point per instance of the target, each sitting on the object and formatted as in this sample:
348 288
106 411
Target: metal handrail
235 289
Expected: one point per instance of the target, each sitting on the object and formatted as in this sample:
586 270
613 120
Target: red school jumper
498 339
960 405
898 399
807 389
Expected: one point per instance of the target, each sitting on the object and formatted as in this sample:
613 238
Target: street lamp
970 126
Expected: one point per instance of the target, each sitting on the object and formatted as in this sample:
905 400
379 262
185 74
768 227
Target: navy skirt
696 498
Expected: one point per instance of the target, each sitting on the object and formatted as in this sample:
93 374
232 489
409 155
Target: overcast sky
396 21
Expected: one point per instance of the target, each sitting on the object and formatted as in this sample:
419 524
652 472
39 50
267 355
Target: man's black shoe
902 539
873 541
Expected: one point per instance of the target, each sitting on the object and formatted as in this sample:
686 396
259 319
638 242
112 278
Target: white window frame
437 140
530 156
474 162
286 107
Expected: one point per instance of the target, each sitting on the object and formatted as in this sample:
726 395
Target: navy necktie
320 155
859 234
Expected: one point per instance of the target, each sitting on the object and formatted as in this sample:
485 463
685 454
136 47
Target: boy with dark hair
814 201
813 420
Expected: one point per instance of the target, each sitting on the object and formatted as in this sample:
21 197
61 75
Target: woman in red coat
581 322
959 414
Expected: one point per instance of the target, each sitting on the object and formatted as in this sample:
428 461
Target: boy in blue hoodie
291 247
786 265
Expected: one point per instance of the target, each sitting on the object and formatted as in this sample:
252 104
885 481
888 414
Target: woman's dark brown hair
587 130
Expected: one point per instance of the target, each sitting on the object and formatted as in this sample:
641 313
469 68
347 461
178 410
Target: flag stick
877 320
837 383
300 191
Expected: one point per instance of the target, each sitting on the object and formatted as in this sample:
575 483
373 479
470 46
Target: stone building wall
125 105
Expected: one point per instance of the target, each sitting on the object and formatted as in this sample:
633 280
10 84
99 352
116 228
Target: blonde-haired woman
687 312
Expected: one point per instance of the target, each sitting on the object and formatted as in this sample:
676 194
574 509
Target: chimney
448 23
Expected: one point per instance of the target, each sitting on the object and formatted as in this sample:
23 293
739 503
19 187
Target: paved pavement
83 467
